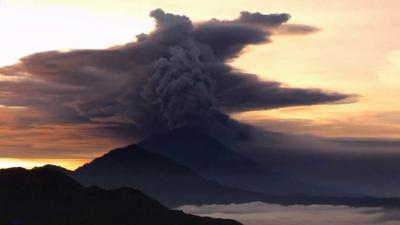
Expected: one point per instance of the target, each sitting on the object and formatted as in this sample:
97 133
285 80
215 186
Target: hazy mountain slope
156 175
212 160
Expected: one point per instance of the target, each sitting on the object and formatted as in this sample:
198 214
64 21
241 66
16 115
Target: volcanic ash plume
173 77
180 87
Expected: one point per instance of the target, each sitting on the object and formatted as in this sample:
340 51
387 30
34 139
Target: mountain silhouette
212 160
156 175
44 196
175 185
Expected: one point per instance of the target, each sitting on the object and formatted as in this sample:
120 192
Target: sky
356 51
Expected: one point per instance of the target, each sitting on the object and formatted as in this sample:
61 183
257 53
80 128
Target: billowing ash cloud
183 91
175 76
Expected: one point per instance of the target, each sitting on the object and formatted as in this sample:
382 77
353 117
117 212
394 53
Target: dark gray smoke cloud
175 76
183 91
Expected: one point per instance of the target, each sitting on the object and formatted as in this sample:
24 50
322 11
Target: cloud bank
175 76
257 213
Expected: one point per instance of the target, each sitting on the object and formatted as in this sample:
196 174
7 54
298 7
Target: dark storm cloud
175 76
270 20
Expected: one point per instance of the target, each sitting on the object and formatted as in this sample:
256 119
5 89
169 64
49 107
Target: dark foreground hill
45 196
157 176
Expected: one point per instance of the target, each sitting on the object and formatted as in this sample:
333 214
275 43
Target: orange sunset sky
356 51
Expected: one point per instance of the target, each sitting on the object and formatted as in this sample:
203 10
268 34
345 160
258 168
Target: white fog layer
258 213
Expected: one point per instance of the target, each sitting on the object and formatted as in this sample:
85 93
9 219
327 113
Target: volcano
211 159
156 175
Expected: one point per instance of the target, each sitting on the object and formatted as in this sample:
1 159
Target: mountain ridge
43 196
214 161
156 175
303 199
